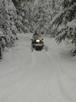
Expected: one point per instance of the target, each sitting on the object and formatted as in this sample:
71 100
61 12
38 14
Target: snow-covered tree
7 21
62 21
36 14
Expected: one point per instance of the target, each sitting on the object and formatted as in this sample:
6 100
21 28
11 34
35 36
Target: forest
54 17
37 50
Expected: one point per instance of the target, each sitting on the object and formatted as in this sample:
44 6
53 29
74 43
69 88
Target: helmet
42 32
36 32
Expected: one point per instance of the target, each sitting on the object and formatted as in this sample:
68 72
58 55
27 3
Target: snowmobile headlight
37 40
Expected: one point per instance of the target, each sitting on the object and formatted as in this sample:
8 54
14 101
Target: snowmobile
37 44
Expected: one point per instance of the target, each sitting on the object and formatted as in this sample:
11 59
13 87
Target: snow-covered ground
38 76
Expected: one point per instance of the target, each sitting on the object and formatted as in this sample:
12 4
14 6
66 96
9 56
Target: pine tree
7 20
64 22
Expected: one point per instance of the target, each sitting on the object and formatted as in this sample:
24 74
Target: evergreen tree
64 22
7 20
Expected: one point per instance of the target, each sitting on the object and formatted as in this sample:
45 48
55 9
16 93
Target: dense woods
54 17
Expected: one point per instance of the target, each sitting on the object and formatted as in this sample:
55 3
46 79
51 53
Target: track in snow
41 76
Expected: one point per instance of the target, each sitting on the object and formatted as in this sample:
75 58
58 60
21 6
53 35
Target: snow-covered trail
41 76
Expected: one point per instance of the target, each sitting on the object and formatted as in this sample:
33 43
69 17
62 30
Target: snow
38 76
72 23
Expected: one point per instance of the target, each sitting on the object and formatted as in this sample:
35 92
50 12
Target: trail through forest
38 76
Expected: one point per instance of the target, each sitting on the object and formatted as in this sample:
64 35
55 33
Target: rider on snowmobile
37 35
